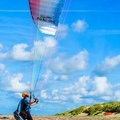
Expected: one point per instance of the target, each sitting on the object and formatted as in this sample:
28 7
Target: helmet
25 94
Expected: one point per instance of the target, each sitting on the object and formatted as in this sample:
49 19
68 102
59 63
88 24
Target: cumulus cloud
54 92
47 75
22 52
44 94
44 48
79 88
3 54
107 65
85 90
76 98
57 96
62 31
73 92
61 64
64 77
79 26
19 52
117 95
16 84
1 46
100 86
2 67
53 96
13 82
61 77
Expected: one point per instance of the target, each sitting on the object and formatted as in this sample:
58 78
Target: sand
117 117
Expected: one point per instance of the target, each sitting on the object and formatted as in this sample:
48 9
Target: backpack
20 113
16 113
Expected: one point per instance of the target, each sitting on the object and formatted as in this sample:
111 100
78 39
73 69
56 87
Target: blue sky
78 66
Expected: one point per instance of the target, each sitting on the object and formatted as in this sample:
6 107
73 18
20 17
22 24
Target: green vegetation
96 109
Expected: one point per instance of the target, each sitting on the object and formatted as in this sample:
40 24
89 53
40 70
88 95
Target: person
26 106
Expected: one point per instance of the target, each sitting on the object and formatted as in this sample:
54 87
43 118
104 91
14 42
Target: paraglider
45 14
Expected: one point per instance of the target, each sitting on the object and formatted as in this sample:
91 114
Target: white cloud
19 52
117 95
1 46
80 87
59 97
68 65
107 65
44 48
108 98
41 49
50 42
76 98
22 52
100 86
16 85
44 94
61 77
46 75
53 96
85 91
64 77
2 67
79 26
54 92
13 82
3 55
62 31
73 92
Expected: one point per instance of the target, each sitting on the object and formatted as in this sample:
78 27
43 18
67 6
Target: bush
95 109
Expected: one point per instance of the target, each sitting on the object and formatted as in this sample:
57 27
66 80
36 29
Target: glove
36 100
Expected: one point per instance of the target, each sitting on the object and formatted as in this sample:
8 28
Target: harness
23 105
23 110
16 113
20 113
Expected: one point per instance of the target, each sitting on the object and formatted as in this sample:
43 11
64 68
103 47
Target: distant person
25 106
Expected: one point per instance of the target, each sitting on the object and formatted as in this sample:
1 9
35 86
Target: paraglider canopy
45 14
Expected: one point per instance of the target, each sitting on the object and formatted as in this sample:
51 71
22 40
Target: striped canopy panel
45 14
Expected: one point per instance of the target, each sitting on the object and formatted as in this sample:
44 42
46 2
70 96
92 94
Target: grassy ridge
96 109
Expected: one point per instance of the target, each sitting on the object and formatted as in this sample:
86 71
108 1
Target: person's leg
23 116
29 117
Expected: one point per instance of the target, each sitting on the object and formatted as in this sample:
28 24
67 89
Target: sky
78 66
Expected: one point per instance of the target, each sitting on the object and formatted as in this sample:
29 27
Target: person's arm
34 102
